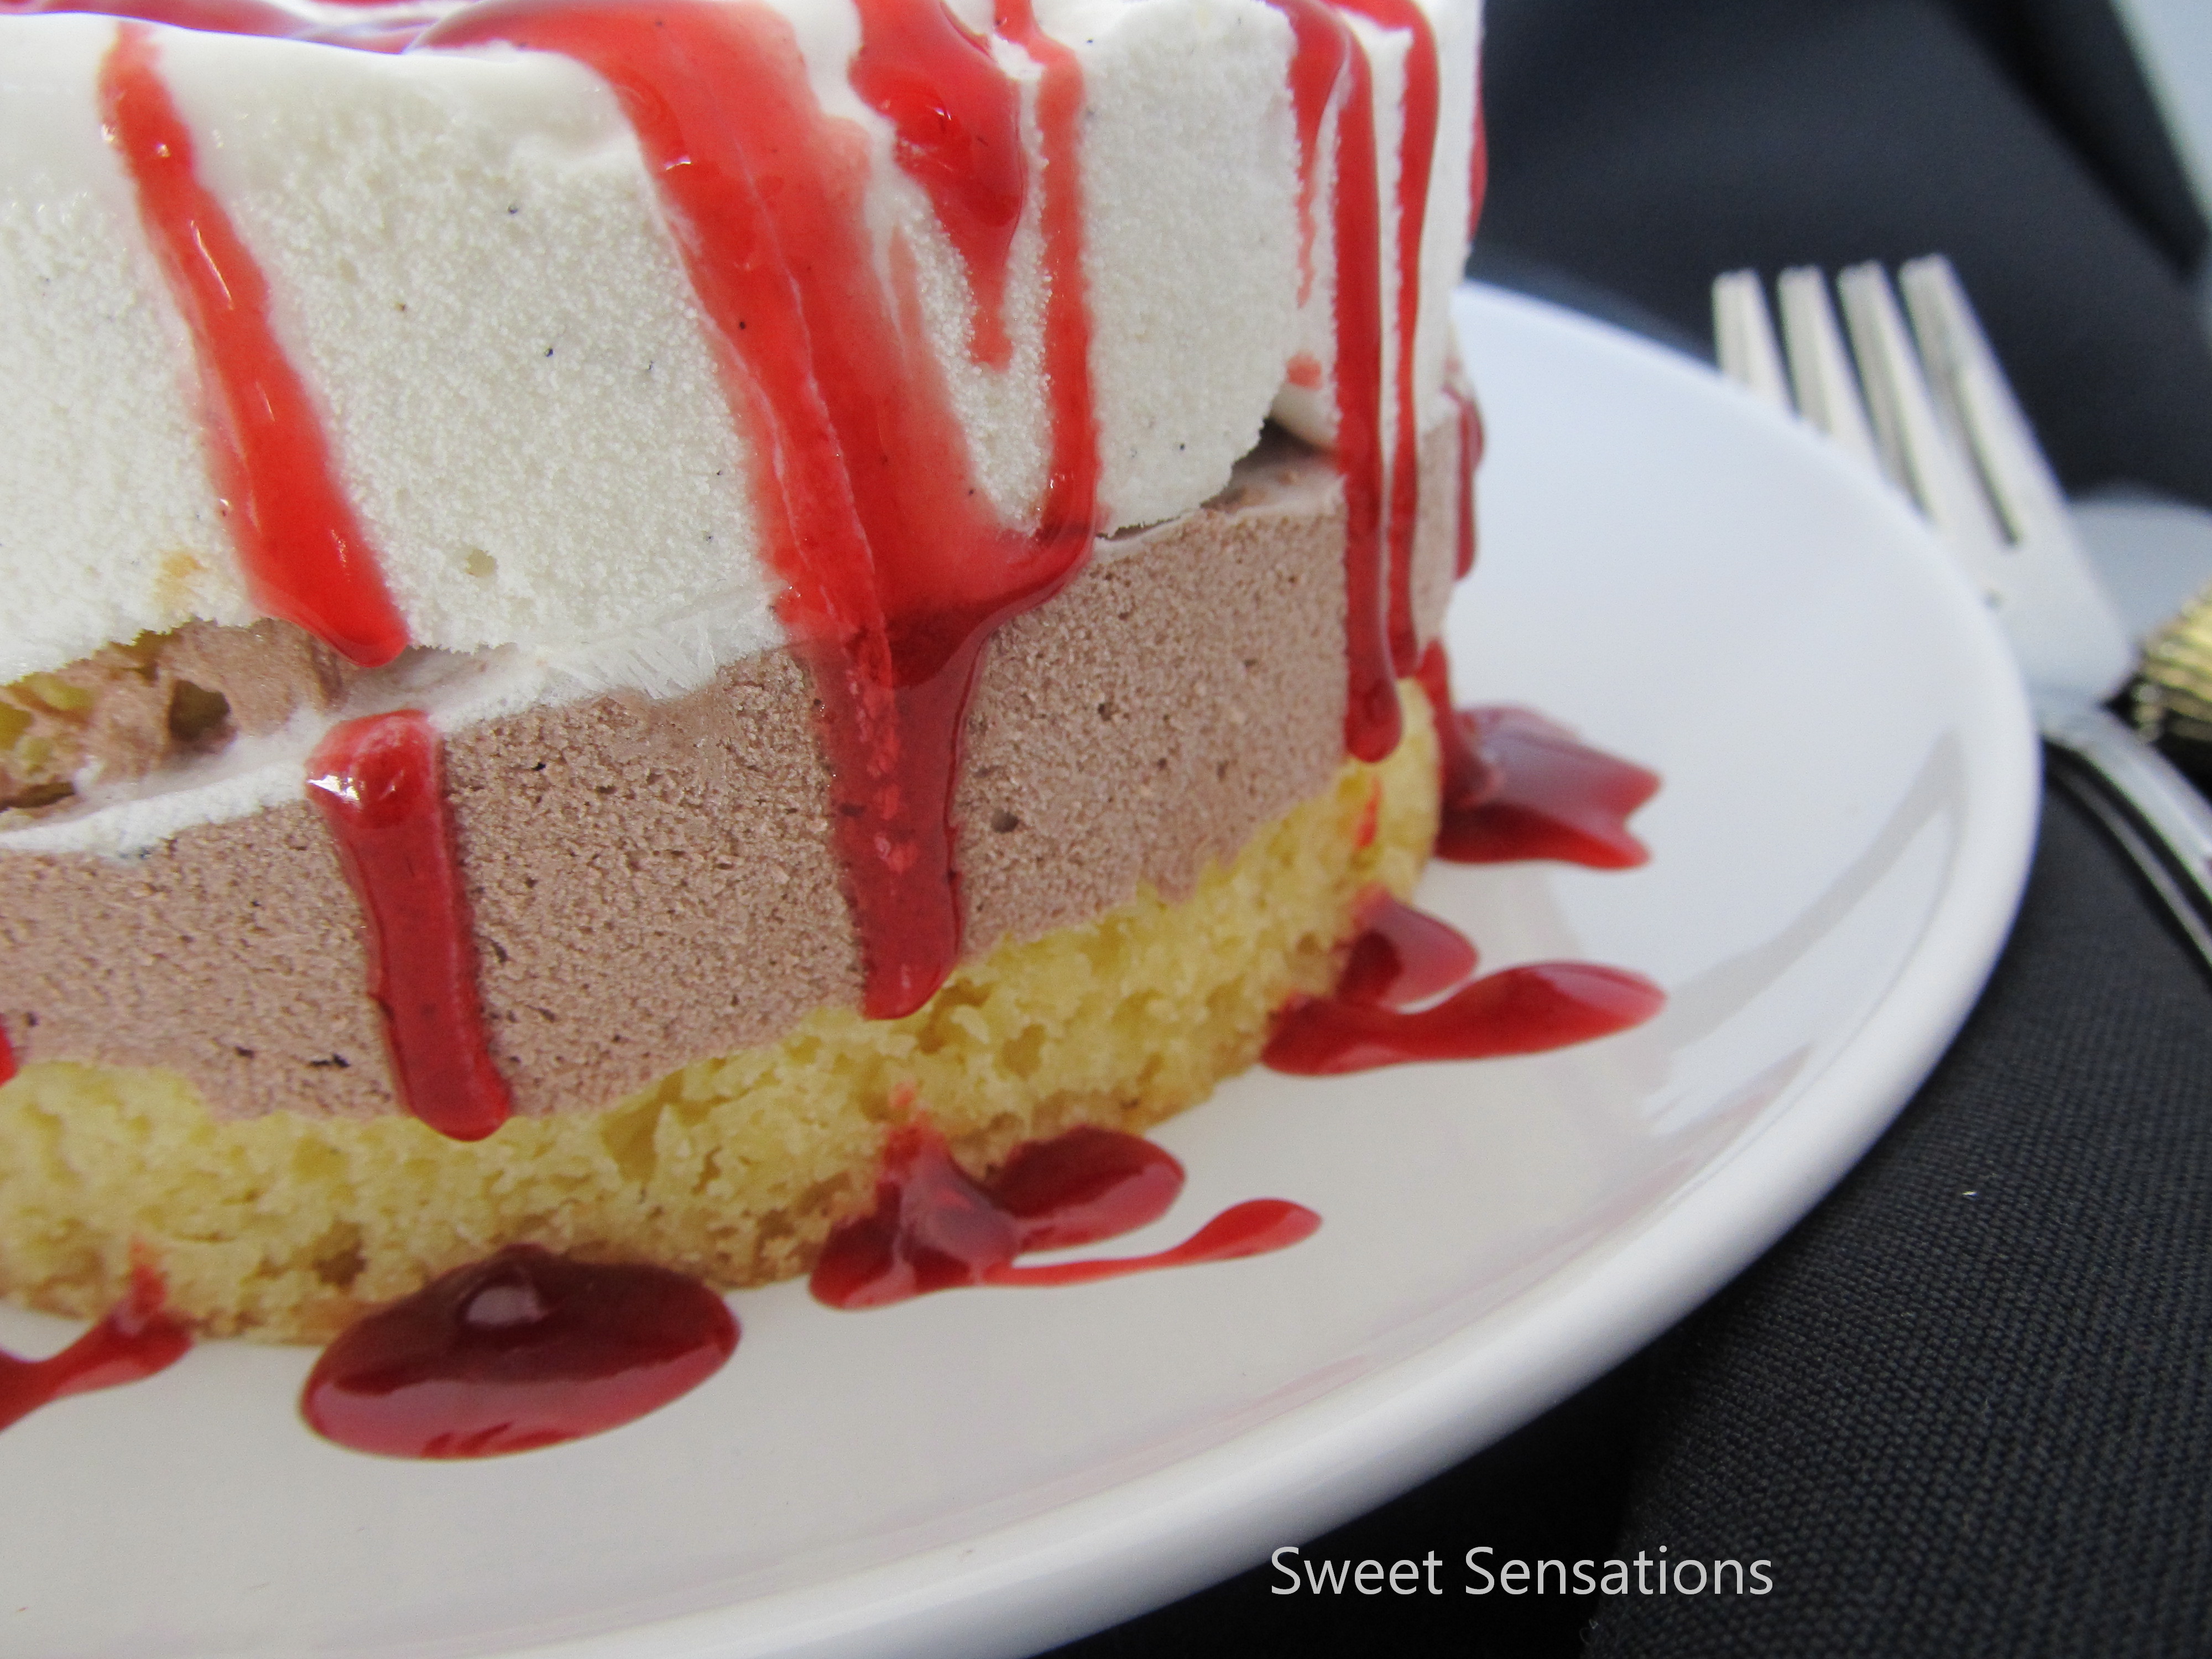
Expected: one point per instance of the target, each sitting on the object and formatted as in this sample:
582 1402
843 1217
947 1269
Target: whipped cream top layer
471 269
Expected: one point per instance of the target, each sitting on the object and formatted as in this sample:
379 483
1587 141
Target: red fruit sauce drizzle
1417 147
959 126
935 1227
1325 55
1517 786
897 572
1408 993
1526 1009
526 1349
1400 956
134 1340
7 1056
898 578
380 783
305 557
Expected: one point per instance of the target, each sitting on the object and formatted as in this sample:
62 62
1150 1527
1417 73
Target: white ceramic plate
1849 805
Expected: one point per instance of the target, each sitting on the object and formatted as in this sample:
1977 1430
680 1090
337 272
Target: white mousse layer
471 270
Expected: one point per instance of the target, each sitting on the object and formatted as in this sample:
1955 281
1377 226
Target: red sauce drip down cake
603 593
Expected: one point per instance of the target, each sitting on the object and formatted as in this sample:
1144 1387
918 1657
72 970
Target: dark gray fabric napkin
1963 1408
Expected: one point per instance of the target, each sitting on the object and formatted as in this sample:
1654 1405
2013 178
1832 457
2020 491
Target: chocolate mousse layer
652 882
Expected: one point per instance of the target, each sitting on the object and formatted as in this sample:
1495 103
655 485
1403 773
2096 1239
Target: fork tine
1904 414
1962 366
1827 388
1743 337
2059 612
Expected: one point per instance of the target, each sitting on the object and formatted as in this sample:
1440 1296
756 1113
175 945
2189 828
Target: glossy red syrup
305 557
896 572
1325 55
1467 777
1521 1011
1401 956
935 1227
1071 507
525 1350
134 1340
379 784
1417 151
1517 786
959 126
6 1057
1254 1227
1556 797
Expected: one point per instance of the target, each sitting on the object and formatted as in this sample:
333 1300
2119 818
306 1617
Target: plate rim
1203 1512
1055 1576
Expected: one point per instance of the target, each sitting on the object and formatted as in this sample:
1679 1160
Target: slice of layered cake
603 596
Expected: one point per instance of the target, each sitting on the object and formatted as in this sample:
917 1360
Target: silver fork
1940 421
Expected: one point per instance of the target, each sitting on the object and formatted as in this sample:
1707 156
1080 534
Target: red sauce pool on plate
1526 1009
134 1340
526 1349
1408 993
935 1227
1402 956
1519 786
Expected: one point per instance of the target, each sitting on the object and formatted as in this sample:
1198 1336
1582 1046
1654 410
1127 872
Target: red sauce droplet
1083 1186
935 1227
1417 149
1556 798
524 1349
7 1056
1467 777
1518 786
1520 1010
896 572
1400 956
1381 487
1252 1228
959 126
1326 54
134 1340
305 554
1072 486
380 783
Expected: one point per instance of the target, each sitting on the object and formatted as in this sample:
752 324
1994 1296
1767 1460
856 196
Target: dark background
1966 1406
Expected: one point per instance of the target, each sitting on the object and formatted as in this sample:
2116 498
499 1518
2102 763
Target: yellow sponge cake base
285 1228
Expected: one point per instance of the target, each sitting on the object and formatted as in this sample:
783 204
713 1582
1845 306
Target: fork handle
2145 801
